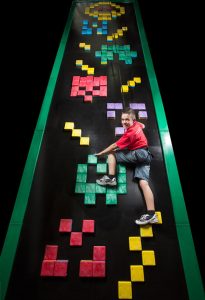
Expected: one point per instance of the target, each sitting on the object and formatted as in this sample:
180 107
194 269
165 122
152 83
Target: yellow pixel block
84 67
116 36
69 125
90 71
137 79
109 38
137 273
148 258
159 217
76 133
124 290
124 28
82 45
135 243
87 47
79 62
131 83
146 231
124 88
84 141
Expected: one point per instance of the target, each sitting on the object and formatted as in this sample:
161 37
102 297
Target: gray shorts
139 158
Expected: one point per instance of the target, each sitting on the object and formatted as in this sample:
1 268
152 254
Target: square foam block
86 268
88 98
135 243
84 141
99 253
142 114
119 131
69 125
81 93
92 159
137 106
76 239
98 268
146 231
60 268
124 289
110 105
76 133
75 88
65 225
90 199
51 252
47 267
96 92
75 80
118 106
89 88
88 226
137 273
111 114
148 258
103 80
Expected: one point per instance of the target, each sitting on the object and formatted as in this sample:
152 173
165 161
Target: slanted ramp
69 238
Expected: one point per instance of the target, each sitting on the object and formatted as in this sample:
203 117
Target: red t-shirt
133 138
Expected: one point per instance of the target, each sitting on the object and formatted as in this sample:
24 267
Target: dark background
30 37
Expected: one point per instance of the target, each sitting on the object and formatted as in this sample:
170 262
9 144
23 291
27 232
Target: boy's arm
110 148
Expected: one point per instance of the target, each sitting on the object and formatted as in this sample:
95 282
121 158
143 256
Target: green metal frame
189 259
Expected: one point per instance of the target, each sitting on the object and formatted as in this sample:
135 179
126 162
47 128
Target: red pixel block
98 268
76 239
88 226
88 98
51 252
65 225
86 268
99 252
60 268
47 267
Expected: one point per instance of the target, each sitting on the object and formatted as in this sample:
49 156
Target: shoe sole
104 184
153 221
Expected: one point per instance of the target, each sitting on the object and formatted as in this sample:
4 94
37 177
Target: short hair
130 112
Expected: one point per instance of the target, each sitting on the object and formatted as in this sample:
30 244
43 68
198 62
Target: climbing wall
78 239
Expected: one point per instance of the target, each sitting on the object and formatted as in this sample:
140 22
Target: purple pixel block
137 106
110 105
118 105
110 114
142 114
119 130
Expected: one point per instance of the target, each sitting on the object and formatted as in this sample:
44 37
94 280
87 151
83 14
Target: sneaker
147 219
105 180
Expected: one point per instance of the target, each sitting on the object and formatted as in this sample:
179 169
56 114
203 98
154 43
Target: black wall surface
29 40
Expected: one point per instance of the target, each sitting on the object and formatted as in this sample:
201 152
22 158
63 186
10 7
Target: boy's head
128 117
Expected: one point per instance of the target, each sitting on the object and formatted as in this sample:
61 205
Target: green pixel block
81 177
80 188
111 199
99 189
101 168
121 188
90 188
122 178
111 190
92 159
82 168
121 169
90 199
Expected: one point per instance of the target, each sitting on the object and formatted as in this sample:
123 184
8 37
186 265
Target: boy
132 148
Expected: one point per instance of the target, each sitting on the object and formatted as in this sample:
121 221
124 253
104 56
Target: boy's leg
148 194
111 164
110 178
